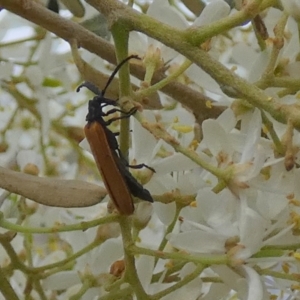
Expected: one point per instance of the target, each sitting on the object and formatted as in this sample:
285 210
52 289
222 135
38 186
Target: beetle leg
125 116
127 113
139 166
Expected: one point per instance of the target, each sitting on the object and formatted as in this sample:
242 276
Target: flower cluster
222 136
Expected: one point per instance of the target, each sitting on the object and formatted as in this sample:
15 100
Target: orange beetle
119 182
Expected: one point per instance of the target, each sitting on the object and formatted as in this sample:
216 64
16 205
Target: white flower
164 12
212 12
145 149
246 282
243 153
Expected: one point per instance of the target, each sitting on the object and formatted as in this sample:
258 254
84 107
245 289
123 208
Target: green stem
284 81
85 286
269 125
38 287
38 37
277 46
158 132
187 43
71 258
205 260
119 294
261 42
171 272
131 273
275 274
165 33
170 228
269 253
152 89
6 289
179 284
283 247
60 228
121 35
16 263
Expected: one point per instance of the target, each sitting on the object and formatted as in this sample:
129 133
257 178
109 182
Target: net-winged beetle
112 166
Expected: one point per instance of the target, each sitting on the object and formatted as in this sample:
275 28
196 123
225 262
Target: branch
183 42
68 30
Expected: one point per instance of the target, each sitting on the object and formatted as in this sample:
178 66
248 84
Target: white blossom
225 205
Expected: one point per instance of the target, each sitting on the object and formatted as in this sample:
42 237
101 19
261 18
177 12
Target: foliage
218 120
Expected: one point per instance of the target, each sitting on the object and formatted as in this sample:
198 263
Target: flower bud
108 231
142 215
117 268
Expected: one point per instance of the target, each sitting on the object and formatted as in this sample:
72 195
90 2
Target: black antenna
111 77
95 89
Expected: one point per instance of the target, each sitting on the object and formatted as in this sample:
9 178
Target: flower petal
197 241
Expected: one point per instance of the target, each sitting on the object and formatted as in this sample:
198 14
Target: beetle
110 162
